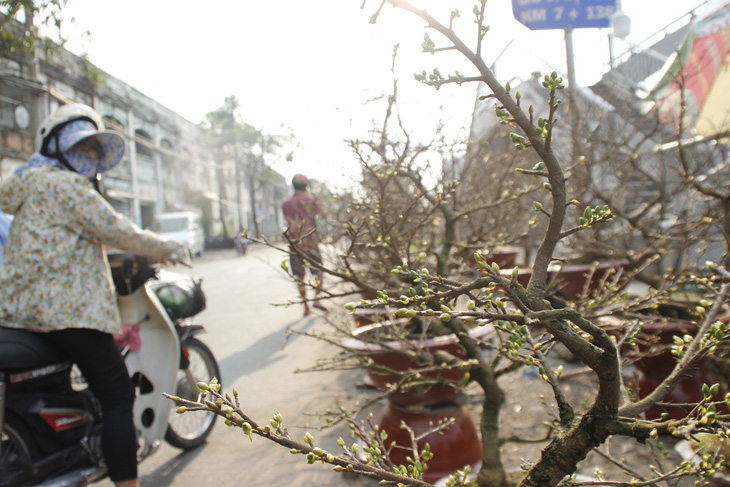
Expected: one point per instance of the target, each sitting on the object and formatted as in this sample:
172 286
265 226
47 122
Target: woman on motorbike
56 280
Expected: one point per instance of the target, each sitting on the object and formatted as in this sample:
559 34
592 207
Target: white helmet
62 116
82 122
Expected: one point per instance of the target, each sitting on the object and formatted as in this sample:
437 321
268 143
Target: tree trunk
561 457
492 472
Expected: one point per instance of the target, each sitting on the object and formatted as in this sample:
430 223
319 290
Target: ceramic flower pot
399 356
656 362
505 257
369 316
452 449
572 280
420 407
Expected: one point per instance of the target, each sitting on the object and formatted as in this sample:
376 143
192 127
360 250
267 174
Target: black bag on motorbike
180 294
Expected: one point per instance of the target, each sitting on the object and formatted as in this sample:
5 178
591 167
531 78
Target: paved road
247 334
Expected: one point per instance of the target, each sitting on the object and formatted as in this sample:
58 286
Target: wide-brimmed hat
112 143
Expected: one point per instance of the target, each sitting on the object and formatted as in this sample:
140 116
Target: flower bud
247 430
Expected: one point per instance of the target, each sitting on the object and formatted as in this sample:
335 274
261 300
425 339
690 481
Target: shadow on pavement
262 353
170 469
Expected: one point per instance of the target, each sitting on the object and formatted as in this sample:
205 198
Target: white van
182 226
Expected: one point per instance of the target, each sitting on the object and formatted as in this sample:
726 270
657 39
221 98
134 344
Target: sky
318 66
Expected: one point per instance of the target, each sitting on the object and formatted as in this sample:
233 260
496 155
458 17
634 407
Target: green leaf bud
247 430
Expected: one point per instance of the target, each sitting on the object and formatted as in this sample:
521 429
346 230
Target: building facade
166 166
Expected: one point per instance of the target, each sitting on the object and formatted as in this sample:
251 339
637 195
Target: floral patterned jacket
56 274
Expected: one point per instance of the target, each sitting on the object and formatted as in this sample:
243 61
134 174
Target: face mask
82 163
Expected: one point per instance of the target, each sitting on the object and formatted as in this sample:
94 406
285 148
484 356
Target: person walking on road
301 211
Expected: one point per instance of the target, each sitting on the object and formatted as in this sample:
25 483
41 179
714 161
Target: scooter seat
22 350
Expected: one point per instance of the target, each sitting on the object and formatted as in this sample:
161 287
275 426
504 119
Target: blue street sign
563 14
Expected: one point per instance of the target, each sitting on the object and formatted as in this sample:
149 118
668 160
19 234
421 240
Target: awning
702 66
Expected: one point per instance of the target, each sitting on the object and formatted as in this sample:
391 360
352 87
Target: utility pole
572 95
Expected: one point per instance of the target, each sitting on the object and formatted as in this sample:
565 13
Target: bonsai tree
389 251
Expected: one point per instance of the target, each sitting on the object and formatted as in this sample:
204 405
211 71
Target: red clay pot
390 354
687 391
572 279
658 363
452 449
504 257
369 316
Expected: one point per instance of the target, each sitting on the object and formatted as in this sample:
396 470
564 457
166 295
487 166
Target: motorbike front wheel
17 452
189 430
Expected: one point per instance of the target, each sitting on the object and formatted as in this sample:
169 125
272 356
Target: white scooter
51 422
